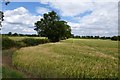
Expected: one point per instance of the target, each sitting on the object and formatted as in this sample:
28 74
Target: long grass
8 72
72 58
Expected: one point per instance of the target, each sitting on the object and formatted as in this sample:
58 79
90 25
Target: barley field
72 58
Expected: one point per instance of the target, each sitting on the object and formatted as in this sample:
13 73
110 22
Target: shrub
33 42
8 43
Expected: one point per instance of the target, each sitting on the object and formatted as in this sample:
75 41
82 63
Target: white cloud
74 25
73 7
17 11
19 20
28 30
69 7
42 10
102 21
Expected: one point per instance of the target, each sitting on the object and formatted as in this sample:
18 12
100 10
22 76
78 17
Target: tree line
72 36
116 38
17 34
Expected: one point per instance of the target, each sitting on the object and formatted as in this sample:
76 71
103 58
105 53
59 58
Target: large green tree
52 27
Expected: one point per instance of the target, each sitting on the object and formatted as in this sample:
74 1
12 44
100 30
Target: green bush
33 42
8 43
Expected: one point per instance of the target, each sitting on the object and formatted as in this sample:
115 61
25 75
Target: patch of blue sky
28 5
31 6
86 13
81 15
47 6
69 19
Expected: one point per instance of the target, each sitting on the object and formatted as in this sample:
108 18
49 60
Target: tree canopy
52 27
1 18
2 14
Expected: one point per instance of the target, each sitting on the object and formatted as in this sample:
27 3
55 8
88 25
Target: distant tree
108 38
10 34
91 37
83 37
88 37
103 37
96 37
77 36
72 35
21 34
119 38
115 38
50 26
15 34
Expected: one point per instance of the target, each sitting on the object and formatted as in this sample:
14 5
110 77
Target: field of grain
72 58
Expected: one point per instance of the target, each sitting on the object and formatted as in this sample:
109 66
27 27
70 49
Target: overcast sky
88 17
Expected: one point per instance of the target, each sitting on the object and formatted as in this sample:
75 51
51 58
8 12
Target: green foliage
8 43
15 34
115 38
1 18
33 42
7 72
23 42
10 34
50 26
